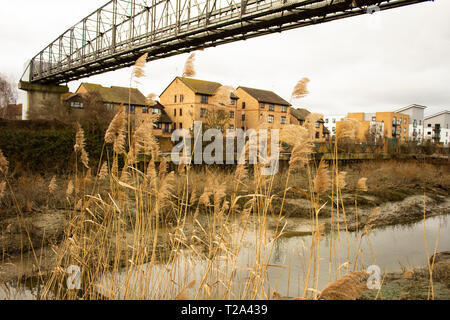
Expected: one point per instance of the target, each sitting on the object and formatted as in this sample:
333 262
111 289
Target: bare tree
8 94
95 117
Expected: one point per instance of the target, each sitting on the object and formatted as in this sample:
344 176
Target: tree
8 94
95 117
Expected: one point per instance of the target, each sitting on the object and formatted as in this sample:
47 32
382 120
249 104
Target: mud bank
415 284
411 209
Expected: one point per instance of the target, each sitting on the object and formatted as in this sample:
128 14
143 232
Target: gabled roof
300 114
410 106
164 117
201 87
265 96
437 114
116 94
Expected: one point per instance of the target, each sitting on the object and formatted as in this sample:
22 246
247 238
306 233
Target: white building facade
330 122
437 128
416 125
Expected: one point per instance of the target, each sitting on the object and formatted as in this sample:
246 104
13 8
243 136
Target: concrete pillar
40 94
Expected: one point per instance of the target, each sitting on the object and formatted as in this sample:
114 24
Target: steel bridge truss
115 35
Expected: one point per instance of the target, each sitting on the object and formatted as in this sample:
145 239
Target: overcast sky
366 63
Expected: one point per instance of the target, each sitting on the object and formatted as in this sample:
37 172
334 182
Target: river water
390 248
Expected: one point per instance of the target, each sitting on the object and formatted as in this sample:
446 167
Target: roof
410 106
264 96
437 114
203 87
164 117
300 114
116 94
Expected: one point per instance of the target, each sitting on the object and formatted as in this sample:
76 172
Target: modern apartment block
436 127
394 124
416 115
330 121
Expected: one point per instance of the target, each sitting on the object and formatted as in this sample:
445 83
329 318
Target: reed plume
341 179
79 139
348 287
2 189
138 69
144 139
362 185
151 99
322 179
310 123
223 95
116 131
70 188
103 171
189 69
299 138
347 128
162 168
300 89
3 163
52 186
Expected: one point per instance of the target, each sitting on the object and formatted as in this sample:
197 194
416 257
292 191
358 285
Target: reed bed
149 230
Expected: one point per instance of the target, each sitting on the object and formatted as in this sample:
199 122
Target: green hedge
46 148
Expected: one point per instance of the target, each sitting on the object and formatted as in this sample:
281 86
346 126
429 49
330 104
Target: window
283 120
181 112
144 109
283 109
271 107
317 124
420 122
262 105
404 130
175 99
132 109
333 129
233 102
76 104
334 120
232 114
109 106
243 117
174 112
243 105
156 111
181 126
415 123
270 119
317 135
181 98
429 133
429 125
204 99
166 128
158 125
301 122
202 113
326 120
231 127
405 121
174 126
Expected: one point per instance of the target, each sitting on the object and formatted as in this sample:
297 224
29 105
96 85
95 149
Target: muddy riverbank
415 284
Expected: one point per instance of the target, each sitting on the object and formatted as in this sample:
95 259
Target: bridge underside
73 57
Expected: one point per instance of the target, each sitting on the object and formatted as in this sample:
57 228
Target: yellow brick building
258 107
187 100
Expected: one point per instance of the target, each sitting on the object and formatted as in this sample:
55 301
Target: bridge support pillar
39 95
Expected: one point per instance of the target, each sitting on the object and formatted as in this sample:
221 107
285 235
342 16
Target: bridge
115 35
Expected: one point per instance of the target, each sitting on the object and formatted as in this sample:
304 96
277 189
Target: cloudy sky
367 63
